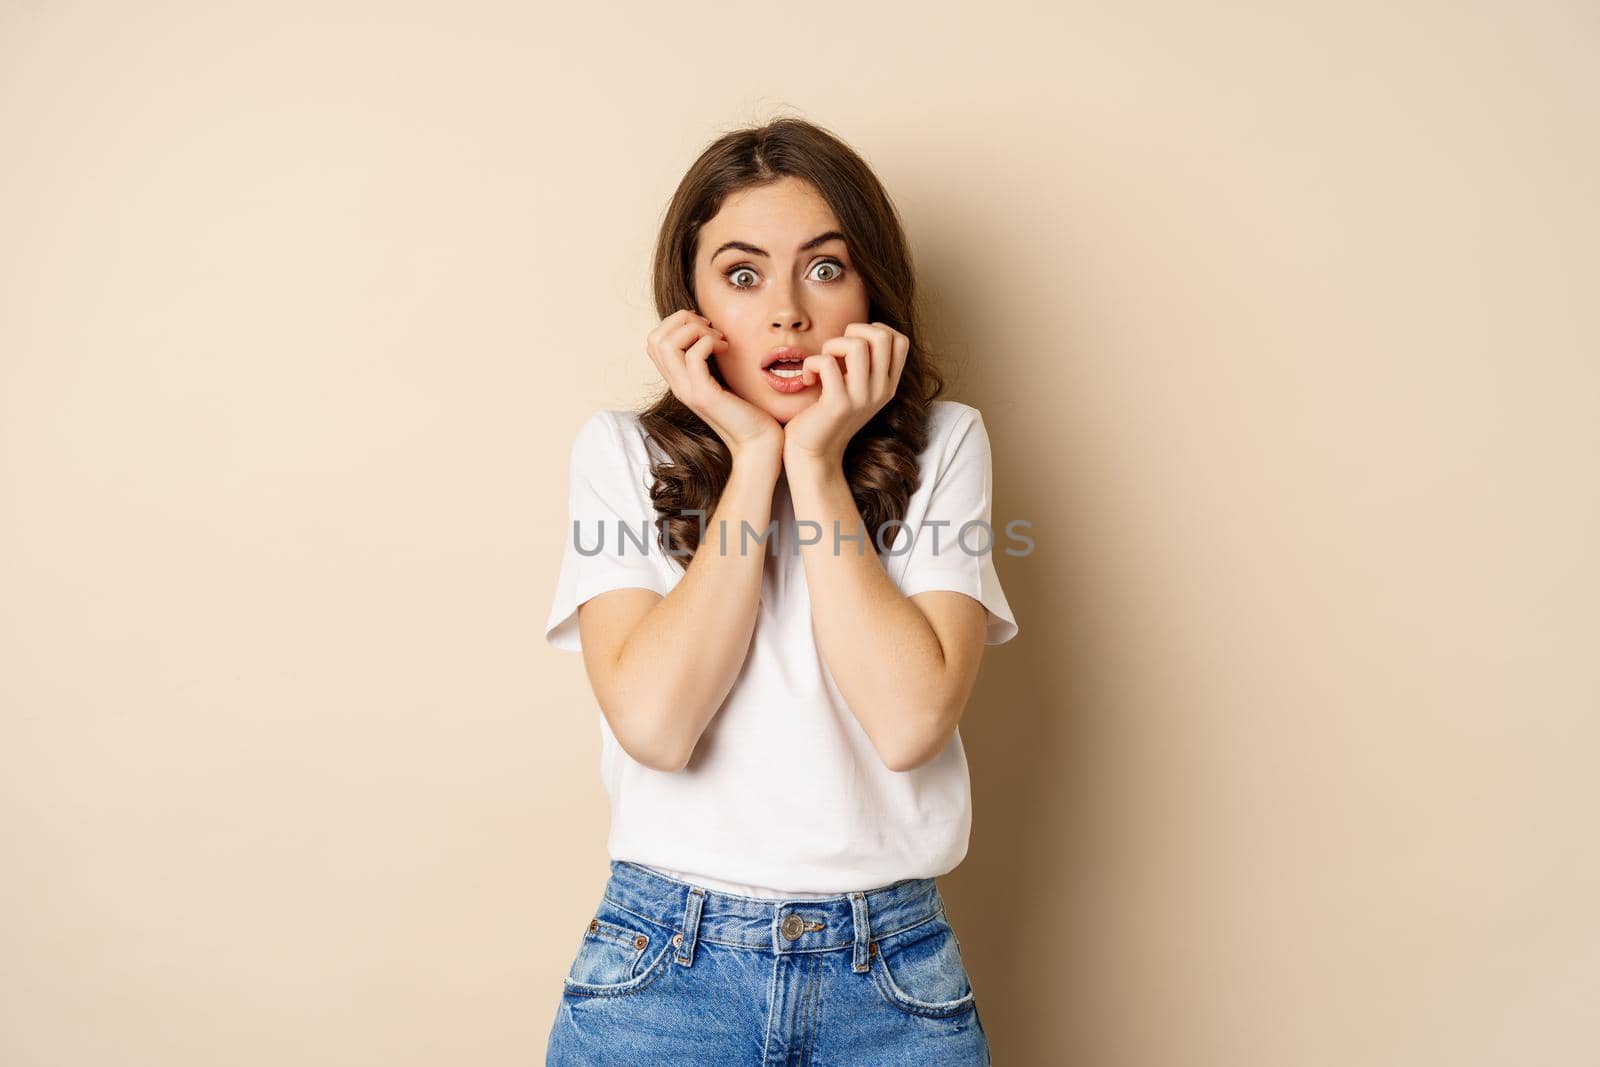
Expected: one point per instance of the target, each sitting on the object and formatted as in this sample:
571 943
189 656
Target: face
768 274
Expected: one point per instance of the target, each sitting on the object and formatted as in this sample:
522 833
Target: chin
787 408
780 406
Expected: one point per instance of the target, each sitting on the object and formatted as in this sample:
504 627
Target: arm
905 665
661 666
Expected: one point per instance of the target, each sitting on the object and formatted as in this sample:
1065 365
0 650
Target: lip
788 385
783 352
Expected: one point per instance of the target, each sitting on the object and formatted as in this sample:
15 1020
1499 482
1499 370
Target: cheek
739 320
728 315
850 304
843 312
713 304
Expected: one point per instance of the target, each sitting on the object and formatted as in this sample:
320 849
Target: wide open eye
832 270
834 267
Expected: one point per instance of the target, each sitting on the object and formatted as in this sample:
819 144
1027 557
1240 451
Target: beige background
1283 321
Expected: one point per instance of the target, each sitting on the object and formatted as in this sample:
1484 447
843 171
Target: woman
782 663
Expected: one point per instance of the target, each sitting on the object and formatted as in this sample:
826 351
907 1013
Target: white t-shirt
785 795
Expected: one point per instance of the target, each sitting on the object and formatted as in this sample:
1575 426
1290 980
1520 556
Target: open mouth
785 362
784 369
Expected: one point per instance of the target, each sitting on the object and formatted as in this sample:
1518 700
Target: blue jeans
668 973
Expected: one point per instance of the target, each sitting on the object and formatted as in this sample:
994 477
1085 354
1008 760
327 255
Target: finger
655 348
868 330
824 368
670 323
685 335
669 354
881 339
858 363
902 351
868 386
812 371
882 360
856 351
883 373
695 365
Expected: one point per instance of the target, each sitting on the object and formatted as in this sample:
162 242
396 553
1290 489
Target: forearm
883 654
685 654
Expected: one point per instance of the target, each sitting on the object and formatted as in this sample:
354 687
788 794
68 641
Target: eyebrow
745 246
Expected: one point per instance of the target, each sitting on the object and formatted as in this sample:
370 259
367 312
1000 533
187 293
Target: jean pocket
620 954
919 971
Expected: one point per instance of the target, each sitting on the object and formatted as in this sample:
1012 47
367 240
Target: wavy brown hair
881 461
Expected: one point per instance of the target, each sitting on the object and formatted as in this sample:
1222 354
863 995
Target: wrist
758 462
812 467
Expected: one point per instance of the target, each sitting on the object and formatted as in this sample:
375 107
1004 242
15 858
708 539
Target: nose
787 313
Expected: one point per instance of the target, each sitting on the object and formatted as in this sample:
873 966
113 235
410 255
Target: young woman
779 715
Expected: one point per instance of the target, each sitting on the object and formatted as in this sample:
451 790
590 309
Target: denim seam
905 1002
583 989
876 934
613 933
813 998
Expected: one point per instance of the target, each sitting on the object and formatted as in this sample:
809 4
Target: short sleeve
955 539
597 556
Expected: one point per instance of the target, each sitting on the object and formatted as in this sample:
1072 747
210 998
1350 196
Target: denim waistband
848 921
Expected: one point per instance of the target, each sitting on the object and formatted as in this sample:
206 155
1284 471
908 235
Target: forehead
789 207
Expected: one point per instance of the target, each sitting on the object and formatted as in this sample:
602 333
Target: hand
738 422
873 355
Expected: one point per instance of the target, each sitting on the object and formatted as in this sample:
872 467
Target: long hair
881 461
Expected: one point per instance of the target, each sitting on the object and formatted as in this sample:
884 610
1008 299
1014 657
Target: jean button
793 926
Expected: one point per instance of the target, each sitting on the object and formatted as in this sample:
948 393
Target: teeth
786 373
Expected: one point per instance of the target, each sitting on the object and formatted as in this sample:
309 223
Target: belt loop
858 908
691 926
